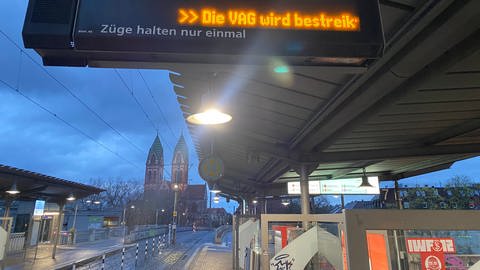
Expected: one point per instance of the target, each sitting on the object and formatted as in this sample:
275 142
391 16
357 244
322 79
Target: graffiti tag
283 262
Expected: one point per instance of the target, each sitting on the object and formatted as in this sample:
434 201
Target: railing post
123 257
103 261
153 246
136 255
158 245
146 249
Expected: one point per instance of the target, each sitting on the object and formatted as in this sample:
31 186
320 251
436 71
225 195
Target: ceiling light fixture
365 182
13 189
71 197
215 189
285 202
209 113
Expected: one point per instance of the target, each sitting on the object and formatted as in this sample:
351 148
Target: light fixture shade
254 201
96 202
215 189
210 116
216 199
13 189
71 197
285 202
365 182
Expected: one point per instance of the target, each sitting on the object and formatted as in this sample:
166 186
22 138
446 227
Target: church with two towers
158 190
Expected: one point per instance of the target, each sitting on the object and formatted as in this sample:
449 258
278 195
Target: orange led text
323 21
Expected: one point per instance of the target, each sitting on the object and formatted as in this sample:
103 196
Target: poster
432 251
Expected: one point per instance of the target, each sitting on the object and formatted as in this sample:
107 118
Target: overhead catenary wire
63 86
156 103
132 94
90 109
17 90
136 100
161 112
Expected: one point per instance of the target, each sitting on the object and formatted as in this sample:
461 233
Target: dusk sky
84 146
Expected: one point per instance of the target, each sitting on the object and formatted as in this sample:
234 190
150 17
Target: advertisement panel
432 251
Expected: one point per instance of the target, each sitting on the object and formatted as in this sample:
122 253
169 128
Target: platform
212 257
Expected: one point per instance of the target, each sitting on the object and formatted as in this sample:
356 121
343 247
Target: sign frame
294 189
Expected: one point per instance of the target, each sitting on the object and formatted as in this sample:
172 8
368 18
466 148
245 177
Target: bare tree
118 192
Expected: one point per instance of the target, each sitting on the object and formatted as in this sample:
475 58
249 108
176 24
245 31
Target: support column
397 196
59 228
8 204
244 207
304 196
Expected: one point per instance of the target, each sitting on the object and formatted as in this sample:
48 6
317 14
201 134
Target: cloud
33 139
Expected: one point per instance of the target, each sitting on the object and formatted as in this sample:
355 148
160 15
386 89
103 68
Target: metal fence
127 258
145 232
16 243
68 238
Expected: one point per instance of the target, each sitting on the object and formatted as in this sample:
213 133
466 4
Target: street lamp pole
124 224
174 221
156 216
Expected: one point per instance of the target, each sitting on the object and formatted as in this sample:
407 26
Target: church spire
182 146
180 163
156 148
154 167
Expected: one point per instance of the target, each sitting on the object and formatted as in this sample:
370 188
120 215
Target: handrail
220 232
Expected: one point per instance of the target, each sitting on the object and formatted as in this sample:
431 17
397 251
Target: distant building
157 205
423 198
180 164
217 216
154 181
193 202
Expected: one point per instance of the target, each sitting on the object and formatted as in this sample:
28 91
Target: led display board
337 187
311 30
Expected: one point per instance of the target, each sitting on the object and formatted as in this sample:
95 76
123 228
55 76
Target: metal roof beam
328 157
455 131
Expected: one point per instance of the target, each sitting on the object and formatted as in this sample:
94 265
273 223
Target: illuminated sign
427 245
243 18
39 208
295 189
337 187
349 186
300 32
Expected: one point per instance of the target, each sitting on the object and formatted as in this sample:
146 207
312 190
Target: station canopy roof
35 186
413 111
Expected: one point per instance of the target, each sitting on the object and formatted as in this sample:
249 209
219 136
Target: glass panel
249 243
427 250
330 247
328 241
